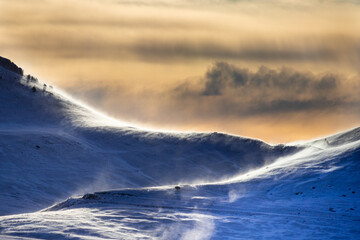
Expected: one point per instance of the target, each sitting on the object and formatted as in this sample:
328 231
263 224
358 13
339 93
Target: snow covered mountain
69 172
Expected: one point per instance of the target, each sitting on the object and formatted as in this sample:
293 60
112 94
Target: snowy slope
56 152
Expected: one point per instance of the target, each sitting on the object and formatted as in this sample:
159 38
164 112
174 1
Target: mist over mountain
68 171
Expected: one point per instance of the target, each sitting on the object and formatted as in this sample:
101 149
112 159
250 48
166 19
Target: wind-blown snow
69 172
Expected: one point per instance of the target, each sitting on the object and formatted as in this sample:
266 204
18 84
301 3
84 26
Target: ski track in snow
54 150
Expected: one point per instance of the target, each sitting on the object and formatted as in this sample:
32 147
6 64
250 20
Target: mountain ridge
52 131
65 167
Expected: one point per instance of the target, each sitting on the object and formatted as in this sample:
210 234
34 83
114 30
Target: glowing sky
275 70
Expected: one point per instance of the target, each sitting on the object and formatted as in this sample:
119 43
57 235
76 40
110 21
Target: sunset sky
276 70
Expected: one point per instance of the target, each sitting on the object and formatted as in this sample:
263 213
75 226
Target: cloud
295 50
164 33
230 90
223 75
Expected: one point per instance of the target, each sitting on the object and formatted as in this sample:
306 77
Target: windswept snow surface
69 172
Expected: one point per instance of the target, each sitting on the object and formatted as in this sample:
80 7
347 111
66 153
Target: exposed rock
90 196
9 65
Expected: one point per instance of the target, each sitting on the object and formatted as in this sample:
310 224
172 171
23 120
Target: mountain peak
9 65
27 101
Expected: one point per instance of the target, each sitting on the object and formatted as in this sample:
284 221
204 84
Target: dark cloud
223 75
153 50
227 90
70 45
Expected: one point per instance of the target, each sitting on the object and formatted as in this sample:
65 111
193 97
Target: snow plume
99 182
234 195
201 227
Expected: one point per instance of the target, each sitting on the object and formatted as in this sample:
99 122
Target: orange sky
275 70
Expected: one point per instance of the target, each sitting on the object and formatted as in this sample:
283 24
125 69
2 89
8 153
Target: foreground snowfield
68 172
